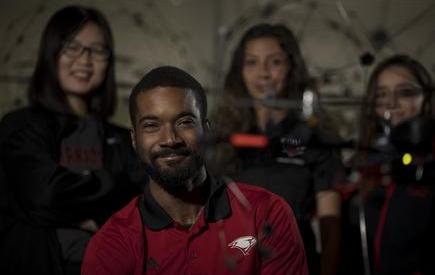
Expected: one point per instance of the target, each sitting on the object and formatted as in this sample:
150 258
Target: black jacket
37 195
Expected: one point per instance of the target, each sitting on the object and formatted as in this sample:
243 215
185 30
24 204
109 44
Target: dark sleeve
428 264
325 163
41 191
125 169
128 162
280 243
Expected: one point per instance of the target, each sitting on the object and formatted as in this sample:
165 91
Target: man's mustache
166 152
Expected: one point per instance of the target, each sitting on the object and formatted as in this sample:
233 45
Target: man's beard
173 178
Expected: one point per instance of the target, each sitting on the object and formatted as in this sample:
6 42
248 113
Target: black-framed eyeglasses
75 49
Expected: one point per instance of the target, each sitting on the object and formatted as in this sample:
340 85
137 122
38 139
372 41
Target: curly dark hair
227 117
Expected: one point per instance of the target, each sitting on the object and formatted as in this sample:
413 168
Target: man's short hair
168 76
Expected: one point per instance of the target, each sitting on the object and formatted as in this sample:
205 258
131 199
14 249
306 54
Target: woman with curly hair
268 71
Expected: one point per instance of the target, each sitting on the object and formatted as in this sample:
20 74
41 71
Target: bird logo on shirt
244 244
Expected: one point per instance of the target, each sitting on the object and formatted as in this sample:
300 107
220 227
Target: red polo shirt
243 229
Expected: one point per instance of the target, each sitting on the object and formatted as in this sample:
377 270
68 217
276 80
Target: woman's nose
85 56
391 101
264 70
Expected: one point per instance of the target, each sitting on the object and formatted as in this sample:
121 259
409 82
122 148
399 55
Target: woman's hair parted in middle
44 86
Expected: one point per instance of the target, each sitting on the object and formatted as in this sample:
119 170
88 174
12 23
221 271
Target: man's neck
185 207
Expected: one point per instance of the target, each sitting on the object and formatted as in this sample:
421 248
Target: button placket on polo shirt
193 251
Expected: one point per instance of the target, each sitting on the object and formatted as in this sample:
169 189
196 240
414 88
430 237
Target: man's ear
133 139
209 133
207 126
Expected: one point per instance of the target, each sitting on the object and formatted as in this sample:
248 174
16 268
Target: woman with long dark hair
66 168
392 229
268 71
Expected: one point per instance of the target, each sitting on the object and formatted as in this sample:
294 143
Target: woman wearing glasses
396 232
399 89
66 168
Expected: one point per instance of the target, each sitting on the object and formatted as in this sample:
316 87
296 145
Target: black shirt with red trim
400 231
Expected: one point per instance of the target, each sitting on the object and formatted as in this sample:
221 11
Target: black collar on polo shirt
216 208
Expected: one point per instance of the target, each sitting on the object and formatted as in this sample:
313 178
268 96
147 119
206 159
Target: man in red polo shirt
188 221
